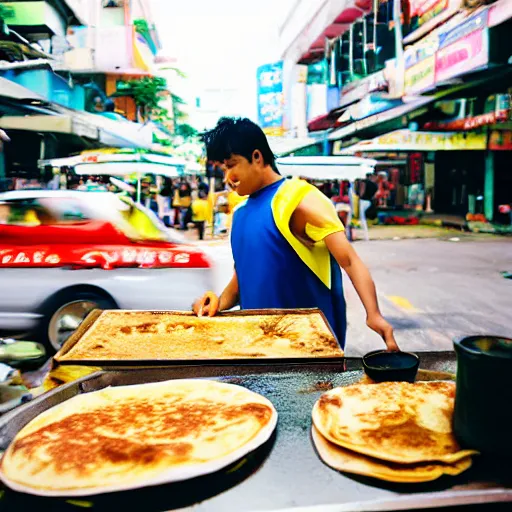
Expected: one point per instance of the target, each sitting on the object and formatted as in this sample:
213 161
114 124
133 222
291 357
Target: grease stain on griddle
318 386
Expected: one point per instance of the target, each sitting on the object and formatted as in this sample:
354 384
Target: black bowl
382 366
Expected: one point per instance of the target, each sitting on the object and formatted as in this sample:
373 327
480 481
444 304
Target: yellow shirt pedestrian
200 209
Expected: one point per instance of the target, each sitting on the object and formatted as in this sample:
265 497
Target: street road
430 290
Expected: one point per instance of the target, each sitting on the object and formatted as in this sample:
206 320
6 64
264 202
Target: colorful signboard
425 10
471 123
464 48
433 141
500 12
271 98
420 65
500 140
357 90
406 140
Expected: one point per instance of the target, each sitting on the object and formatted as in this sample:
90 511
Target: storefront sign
468 53
425 10
457 28
420 65
432 141
355 91
471 123
271 98
405 140
500 140
421 76
499 12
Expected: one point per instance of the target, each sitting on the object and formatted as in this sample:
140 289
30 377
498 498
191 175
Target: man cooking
288 242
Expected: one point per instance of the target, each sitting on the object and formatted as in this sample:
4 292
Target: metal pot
483 400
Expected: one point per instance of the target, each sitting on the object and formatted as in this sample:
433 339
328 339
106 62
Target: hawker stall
259 410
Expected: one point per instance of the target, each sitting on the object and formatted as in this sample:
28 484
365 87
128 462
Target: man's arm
359 274
230 297
316 219
209 304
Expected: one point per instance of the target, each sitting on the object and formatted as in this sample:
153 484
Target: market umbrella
326 167
121 162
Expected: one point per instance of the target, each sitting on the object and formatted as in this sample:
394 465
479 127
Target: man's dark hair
237 136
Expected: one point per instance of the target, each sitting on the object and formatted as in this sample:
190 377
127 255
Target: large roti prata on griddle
393 421
126 437
147 335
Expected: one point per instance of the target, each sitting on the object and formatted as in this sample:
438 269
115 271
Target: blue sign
270 96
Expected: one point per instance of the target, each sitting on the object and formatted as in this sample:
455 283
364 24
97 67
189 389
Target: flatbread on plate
348 461
126 437
394 421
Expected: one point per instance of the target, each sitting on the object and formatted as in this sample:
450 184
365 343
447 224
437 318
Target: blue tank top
271 274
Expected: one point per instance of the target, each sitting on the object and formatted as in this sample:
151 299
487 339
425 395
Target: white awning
50 123
326 167
114 155
126 168
283 145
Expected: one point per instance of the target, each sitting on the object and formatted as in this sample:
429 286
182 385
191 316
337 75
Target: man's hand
377 323
207 305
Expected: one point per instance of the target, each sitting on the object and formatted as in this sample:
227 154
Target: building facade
424 86
65 66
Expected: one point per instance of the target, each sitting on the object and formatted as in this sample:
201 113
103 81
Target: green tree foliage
186 131
147 94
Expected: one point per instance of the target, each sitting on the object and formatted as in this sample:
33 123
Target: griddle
286 472
122 364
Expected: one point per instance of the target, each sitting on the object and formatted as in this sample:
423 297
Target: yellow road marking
402 303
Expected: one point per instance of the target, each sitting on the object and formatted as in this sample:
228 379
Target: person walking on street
185 194
288 242
200 213
176 204
366 195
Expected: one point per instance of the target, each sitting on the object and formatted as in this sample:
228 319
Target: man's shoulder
239 206
293 189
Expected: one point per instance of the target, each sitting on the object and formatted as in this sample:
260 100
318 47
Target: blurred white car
64 253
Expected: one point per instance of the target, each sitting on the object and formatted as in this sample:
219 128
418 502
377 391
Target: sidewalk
377 232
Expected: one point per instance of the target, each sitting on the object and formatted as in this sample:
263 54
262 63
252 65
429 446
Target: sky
219 44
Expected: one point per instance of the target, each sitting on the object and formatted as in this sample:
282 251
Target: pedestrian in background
368 189
185 193
176 204
200 209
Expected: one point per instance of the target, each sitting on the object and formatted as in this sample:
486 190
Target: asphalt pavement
430 290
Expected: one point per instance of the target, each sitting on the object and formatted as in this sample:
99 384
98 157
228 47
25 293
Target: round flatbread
348 461
126 437
393 421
